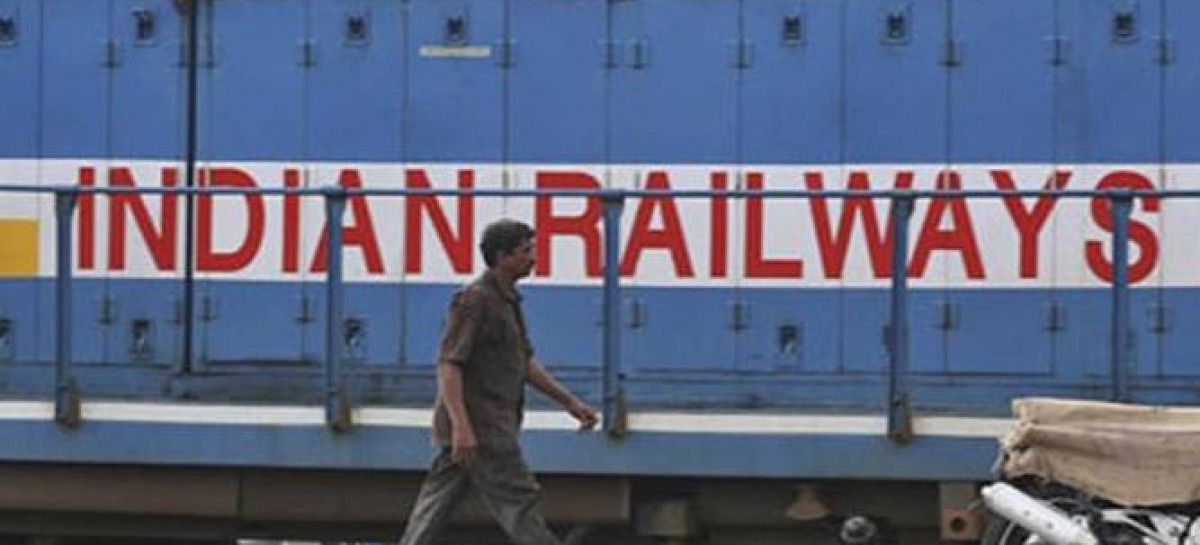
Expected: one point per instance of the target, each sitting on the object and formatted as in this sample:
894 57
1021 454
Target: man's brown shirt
485 336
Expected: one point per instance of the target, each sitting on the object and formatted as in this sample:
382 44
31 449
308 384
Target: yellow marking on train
18 247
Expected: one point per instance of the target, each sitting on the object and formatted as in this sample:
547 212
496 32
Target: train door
1110 123
556 70
355 73
673 100
252 306
76 68
791 118
147 128
1174 317
25 219
452 130
896 117
1001 137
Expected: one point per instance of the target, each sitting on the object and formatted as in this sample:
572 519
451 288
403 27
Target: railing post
66 396
1121 207
337 407
614 412
899 408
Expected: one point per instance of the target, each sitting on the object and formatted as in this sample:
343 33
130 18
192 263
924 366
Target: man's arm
450 387
458 342
545 383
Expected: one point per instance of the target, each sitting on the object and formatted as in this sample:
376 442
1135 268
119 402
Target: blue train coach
803 253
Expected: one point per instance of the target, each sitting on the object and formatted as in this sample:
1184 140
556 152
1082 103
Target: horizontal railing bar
599 193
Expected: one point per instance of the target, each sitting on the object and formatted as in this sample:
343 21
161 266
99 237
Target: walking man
484 363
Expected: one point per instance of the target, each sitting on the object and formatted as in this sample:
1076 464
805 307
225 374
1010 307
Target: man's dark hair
501 237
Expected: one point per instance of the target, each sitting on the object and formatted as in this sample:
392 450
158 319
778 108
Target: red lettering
161 242
1140 233
458 249
834 248
1029 223
361 234
291 222
959 238
87 220
670 237
584 226
208 259
756 265
719 236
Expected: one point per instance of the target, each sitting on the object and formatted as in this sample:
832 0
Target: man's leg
441 492
511 494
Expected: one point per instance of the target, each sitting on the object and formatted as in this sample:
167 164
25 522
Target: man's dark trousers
503 483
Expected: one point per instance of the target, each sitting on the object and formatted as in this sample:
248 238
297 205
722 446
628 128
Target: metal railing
337 405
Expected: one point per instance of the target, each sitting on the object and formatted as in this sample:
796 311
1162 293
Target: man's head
507 246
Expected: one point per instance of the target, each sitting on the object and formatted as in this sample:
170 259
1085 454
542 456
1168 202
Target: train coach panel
661 125
356 83
562 46
20 27
1111 96
1181 131
75 124
896 108
252 90
558 60
1001 61
455 107
148 122
791 111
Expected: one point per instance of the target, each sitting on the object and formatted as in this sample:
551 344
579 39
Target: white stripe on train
659 422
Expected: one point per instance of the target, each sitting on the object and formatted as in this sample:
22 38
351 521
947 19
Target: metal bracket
506 54
1059 48
208 309
8 340
610 53
900 427
308 53
1160 318
108 310
1056 317
304 310
952 52
337 411
112 54
739 315
637 313
743 53
947 315
67 411
639 54
1165 50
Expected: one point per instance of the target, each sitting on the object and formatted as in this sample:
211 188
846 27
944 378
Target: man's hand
464 447
584 414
